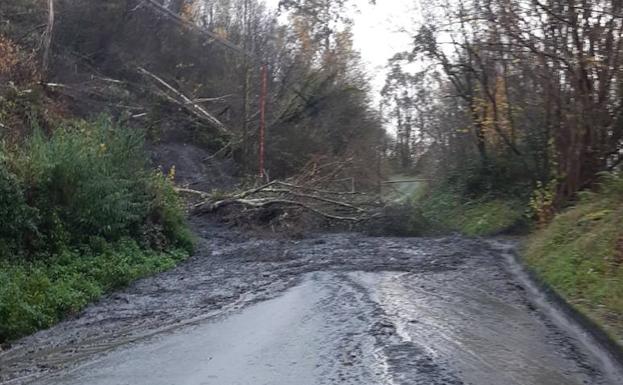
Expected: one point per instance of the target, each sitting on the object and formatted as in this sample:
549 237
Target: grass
419 209
449 211
36 295
580 254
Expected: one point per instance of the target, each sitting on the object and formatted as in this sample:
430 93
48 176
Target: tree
541 82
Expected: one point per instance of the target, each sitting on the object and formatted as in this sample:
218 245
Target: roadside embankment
580 255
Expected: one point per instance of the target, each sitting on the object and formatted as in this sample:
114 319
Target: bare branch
201 194
314 197
187 102
263 203
217 99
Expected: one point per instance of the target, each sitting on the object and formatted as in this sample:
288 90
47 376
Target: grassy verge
81 213
441 210
580 254
36 295
448 211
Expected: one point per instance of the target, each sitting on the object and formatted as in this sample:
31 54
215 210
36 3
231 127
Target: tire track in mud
392 300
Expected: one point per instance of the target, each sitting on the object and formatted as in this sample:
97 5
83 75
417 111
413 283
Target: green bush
165 214
90 180
492 217
500 176
18 219
85 180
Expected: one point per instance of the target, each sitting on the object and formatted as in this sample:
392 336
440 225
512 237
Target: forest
519 97
122 121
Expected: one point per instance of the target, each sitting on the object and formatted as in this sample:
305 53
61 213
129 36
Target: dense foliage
81 214
84 184
515 98
445 210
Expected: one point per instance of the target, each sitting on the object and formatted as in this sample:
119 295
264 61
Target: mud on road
383 311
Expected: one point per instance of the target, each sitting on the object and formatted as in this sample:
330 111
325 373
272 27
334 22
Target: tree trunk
47 40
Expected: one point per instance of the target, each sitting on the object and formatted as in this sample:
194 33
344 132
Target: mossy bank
580 255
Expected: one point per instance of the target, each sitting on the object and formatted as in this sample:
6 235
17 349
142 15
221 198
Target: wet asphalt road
331 309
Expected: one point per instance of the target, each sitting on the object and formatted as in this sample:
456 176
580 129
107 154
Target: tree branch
188 103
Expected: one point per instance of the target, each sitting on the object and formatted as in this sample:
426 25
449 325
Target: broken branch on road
288 198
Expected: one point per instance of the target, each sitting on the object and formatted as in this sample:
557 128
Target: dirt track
378 310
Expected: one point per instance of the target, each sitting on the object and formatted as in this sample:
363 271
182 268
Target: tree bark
47 40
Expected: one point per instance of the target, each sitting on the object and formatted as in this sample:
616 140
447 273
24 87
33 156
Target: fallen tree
290 200
177 97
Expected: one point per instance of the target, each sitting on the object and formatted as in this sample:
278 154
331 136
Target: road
329 309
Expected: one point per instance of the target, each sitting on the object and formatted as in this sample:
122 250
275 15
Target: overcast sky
377 33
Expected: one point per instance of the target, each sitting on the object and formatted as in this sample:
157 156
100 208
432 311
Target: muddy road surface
329 309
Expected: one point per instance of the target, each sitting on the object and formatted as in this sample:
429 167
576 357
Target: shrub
89 181
542 202
492 217
611 186
83 179
500 176
166 215
447 210
18 219
16 65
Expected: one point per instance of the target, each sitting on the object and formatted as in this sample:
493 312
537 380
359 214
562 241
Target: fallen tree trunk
314 197
262 203
287 197
201 194
186 102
